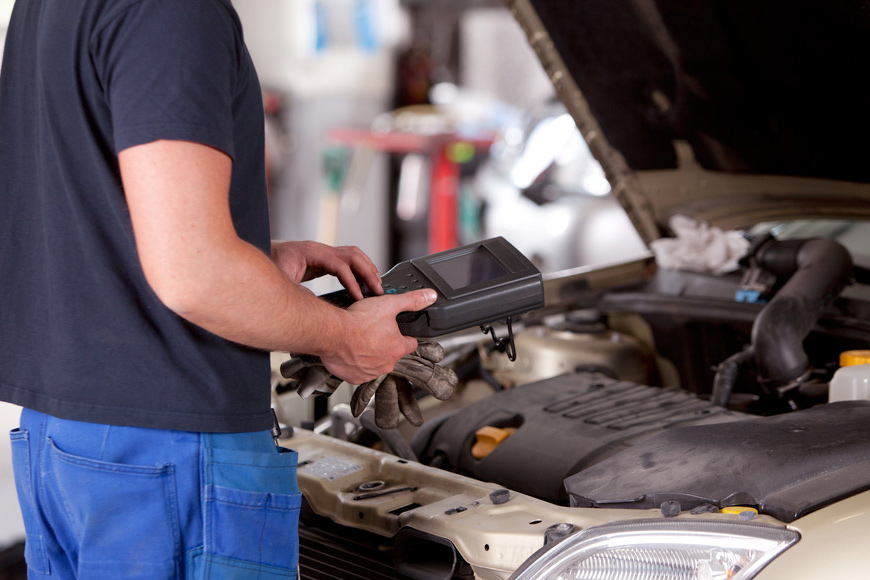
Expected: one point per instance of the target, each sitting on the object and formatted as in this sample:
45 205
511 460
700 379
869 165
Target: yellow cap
488 438
854 357
737 509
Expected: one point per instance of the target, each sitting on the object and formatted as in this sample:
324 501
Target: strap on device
504 344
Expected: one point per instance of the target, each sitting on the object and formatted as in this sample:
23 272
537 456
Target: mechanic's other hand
371 342
302 261
394 391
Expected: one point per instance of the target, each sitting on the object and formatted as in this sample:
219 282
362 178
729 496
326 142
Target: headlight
660 550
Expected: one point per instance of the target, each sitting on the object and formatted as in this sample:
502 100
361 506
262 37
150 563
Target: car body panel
830 545
497 539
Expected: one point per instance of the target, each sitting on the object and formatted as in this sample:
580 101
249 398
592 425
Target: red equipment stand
443 220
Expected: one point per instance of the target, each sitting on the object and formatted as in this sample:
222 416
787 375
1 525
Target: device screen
468 269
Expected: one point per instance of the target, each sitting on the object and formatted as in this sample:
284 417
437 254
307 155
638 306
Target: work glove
311 374
393 392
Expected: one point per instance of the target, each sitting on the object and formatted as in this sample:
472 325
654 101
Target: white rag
699 247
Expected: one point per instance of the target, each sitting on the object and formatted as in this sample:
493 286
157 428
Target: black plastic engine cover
563 425
786 465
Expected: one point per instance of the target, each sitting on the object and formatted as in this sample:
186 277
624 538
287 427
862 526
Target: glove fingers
436 380
415 369
442 384
310 381
363 394
387 404
408 404
292 367
394 392
431 351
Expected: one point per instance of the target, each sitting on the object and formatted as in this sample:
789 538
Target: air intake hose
817 270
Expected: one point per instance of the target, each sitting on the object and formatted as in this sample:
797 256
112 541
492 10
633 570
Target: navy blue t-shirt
82 335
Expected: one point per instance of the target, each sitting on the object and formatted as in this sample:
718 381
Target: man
139 295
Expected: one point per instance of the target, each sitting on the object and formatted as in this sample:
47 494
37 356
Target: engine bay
648 373
675 397
549 430
635 388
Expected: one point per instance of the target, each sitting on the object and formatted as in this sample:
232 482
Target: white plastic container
851 382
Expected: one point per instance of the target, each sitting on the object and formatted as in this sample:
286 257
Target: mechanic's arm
197 265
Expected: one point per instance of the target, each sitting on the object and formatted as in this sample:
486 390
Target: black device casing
518 289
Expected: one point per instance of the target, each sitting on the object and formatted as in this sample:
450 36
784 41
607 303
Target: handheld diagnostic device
477 284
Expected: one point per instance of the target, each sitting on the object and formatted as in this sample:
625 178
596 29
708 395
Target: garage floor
11 526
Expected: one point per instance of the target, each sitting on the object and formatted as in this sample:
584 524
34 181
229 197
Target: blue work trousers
105 502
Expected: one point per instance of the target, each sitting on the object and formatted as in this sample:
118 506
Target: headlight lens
661 550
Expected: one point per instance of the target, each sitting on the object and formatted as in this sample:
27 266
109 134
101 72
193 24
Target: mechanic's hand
371 342
303 261
394 391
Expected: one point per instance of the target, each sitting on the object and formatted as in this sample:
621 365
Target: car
675 415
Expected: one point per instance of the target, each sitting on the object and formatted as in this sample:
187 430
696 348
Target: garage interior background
345 64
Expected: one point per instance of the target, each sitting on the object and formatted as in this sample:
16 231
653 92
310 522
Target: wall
496 59
5 11
331 69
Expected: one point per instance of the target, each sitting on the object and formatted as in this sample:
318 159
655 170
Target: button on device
391 290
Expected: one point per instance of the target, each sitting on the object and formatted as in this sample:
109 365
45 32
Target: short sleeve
168 69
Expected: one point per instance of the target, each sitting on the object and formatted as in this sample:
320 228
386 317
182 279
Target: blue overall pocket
34 547
251 515
125 516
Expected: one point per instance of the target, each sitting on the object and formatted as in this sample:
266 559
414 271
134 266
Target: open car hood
730 112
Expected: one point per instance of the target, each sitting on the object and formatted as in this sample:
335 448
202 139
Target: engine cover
787 465
563 425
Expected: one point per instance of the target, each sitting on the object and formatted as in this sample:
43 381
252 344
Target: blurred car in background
698 421
541 188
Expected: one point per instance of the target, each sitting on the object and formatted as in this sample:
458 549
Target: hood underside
731 112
